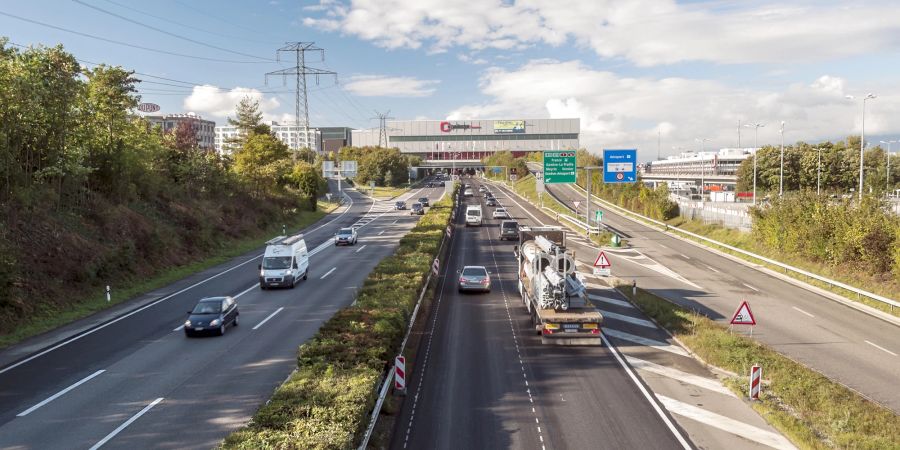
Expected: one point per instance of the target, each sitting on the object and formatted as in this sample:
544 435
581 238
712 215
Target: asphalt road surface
137 382
484 380
849 346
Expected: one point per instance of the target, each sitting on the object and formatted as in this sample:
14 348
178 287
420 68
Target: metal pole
862 147
755 154
587 206
781 175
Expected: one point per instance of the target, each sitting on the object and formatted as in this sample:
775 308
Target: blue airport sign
619 166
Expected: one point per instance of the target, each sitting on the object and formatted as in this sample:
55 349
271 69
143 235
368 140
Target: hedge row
324 404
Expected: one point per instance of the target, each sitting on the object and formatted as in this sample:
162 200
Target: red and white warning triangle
743 315
602 261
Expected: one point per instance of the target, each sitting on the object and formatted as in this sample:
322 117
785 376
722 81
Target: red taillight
546 331
595 331
486 281
463 280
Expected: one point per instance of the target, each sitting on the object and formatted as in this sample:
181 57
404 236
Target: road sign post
559 167
598 216
755 381
619 166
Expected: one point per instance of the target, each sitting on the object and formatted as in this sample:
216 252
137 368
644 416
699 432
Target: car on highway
487 194
417 209
509 229
491 202
400 205
345 236
474 278
424 201
473 215
500 213
481 189
212 315
467 193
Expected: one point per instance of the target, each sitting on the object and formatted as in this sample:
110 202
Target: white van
285 262
473 215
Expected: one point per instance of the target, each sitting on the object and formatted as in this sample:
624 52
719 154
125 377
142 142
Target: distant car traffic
345 236
212 315
509 229
474 278
500 213
400 205
487 194
481 189
467 193
423 201
417 209
491 202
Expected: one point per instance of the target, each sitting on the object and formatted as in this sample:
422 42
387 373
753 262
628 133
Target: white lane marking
751 287
804 312
381 232
713 269
268 317
727 424
663 246
611 301
361 248
328 273
647 395
685 256
125 425
880 347
395 222
629 319
59 394
709 384
659 345
521 207
180 327
150 305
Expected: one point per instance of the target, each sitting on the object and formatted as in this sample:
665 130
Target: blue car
212 315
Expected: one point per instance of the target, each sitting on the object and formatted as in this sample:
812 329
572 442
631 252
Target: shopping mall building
465 142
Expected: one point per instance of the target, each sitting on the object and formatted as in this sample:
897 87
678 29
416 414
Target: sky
662 76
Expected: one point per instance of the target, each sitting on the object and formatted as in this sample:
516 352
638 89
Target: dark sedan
424 201
417 209
212 315
400 205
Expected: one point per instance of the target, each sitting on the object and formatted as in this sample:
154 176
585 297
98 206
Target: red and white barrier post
755 381
400 374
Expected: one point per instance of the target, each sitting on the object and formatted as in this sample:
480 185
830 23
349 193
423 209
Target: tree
248 119
384 166
309 183
263 161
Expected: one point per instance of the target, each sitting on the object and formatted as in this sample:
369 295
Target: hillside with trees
91 195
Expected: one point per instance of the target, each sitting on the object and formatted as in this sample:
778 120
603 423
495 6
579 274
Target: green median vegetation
325 403
811 410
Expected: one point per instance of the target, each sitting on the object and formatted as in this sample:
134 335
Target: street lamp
702 167
862 140
887 178
781 174
756 126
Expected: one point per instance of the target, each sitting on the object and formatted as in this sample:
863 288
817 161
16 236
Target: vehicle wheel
293 283
262 286
306 274
188 334
222 330
237 320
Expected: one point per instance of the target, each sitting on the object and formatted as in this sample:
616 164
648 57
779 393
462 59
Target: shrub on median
324 404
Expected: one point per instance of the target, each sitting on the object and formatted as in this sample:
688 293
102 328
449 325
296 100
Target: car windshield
210 307
510 225
423 199
474 272
473 212
276 262
346 231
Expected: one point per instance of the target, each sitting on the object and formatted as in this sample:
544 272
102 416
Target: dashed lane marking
629 319
727 424
804 312
751 287
660 345
880 348
361 248
59 394
675 374
125 425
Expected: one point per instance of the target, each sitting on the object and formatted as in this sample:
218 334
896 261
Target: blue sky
630 70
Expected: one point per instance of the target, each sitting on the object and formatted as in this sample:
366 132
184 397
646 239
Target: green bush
325 403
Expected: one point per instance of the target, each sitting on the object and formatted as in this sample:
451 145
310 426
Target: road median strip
325 403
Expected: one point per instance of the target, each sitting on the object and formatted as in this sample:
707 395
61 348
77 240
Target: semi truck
552 291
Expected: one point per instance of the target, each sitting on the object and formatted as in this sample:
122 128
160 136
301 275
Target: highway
849 346
136 382
490 383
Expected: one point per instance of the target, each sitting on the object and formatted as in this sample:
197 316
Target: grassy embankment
813 411
51 316
324 404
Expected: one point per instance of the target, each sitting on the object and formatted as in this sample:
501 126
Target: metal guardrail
389 376
859 292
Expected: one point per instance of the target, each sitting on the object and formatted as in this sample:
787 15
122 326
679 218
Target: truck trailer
553 293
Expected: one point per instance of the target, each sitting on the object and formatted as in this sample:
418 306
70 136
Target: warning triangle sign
602 261
743 315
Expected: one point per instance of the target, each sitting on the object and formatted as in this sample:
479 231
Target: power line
191 27
160 30
126 44
207 13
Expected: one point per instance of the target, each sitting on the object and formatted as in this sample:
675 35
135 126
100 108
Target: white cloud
629 112
385 86
645 32
217 102
471 59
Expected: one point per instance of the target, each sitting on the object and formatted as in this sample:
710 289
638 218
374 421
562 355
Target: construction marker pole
634 288
108 297
284 230
755 381
400 374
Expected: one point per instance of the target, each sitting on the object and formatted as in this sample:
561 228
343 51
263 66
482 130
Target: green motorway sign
559 166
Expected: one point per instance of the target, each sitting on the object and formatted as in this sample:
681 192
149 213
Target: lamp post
862 140
781 174
887 177
756 126
702 167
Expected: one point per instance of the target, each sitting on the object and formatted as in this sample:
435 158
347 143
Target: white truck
285 262
553 293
